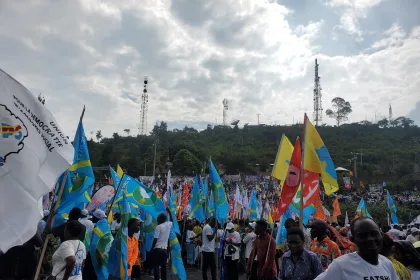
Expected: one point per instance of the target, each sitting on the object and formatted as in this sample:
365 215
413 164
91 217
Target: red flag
311 187
185 197
319 214
232 207
336 206
292 181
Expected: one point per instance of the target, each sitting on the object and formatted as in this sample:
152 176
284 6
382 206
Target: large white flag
33 152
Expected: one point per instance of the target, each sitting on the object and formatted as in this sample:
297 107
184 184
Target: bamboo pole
302 175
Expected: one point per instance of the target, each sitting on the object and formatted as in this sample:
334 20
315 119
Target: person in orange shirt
326 249
133 243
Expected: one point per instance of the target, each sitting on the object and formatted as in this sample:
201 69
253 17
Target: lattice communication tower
143 109
225 109
317 97
390 112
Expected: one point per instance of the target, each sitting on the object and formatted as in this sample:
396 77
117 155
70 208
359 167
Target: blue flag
99 248
392 209
172 209
282 232
177 266
195 202
210 206
361 210
253 206
221 203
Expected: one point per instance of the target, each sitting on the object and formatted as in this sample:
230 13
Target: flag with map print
177 265
142 196
99 248
197 210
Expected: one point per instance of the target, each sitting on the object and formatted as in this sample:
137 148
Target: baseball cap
229 226
100 214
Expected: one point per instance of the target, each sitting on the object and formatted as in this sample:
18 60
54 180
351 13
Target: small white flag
33 153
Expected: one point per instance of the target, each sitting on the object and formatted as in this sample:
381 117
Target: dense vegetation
391 150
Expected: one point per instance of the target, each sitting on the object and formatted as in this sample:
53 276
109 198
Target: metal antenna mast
390 112
225 109
143 110
317 97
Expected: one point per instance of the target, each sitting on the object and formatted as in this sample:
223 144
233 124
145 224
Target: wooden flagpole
302 174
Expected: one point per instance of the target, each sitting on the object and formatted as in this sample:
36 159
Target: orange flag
361 184
319 214
336 206
185 197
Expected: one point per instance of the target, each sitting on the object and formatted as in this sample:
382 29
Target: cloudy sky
259 54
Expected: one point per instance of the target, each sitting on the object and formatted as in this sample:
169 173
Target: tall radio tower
225 109
390 112
317 97
143 109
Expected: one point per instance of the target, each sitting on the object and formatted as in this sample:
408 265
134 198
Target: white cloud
351 12
195 53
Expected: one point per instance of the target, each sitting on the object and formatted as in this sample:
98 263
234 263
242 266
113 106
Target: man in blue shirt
299 263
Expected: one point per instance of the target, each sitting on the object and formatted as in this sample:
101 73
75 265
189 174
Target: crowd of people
360 250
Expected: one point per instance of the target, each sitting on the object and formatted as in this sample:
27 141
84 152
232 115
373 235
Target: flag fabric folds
311 189
195 202
177 265
392 209
221 203
99 248
172 209
210 206
295 207
292 182
336 206
282 232
281 164
118 254
253 206
318 159
361 210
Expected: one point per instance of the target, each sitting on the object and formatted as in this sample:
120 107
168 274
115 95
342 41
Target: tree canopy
342 109
391 152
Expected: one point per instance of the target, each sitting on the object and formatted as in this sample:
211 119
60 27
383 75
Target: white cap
100 214
252 225
85 212
46 213
414 229
229 226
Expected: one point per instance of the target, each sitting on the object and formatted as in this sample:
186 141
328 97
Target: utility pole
154 158
258 117
354 159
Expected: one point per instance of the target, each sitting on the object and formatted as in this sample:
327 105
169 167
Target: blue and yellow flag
80 176
177 265
317 158
253 206
281 164
221 203
361 210
141 196
195 202
147 231
392 209
172 209
100 247
118 255
295 207
210 206
282 232
204 189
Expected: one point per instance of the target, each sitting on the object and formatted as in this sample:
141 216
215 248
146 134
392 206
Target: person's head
414 232
134 225
161 218
75 214
367 236
295 240
318 229
190 226
98 215
405 253
212 222
261 227
387 245
290 223
72 230
230 227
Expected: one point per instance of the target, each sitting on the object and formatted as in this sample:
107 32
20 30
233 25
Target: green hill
391 152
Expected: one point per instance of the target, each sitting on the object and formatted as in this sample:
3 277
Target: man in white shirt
232 248
161 245
84 220
208 237
248 239
366 263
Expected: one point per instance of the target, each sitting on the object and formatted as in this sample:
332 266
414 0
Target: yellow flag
270 219
317 158
120 172
110 217
284 154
